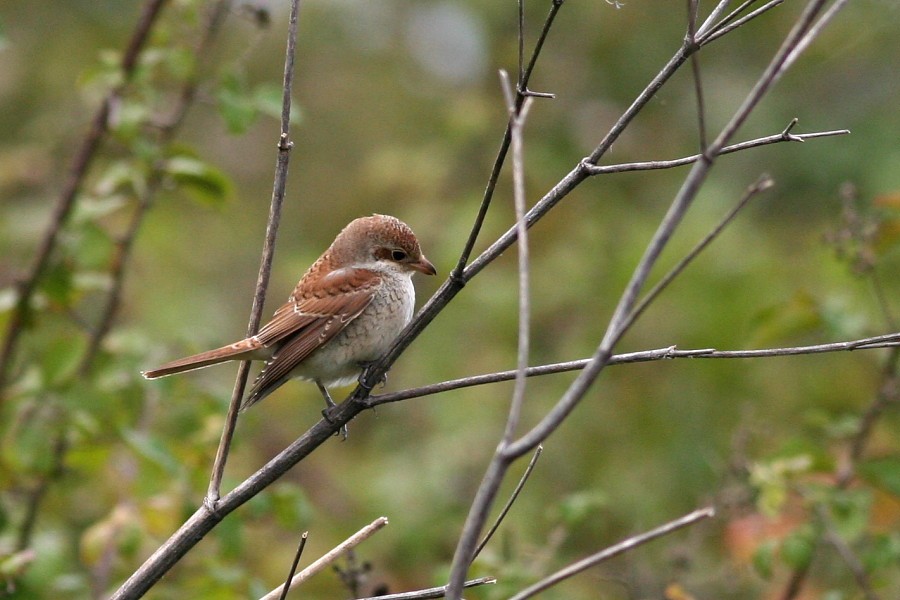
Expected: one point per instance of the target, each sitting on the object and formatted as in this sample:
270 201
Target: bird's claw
364 375
327 415
328 412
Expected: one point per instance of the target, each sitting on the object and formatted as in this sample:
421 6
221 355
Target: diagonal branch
612 551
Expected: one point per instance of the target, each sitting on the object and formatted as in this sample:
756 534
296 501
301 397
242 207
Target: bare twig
329 557
435 592
620 548
761 184
731 22
891 340
621 320
691 39
517 121
784 136
510 502
74 181
287 583
265 267
456 275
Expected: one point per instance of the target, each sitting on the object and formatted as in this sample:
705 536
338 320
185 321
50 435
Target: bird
344 313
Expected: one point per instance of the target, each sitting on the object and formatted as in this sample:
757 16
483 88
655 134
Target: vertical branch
265 267
74 181
517 121
466 548
695 70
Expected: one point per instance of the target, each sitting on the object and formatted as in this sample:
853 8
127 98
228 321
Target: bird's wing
311 317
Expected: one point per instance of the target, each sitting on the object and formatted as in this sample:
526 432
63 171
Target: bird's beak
423 265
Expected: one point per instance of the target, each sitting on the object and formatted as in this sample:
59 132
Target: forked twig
510 502
784 136
525 76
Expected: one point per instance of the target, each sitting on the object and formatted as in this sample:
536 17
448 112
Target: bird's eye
398 255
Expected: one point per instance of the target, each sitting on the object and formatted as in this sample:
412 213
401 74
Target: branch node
587 166
284 143
788 136
211 504
456 277
526 93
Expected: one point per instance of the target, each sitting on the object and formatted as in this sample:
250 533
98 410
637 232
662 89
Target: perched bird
344 313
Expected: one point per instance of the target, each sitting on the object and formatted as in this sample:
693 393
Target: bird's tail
243 350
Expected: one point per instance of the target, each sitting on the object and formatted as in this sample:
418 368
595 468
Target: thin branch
287 583
761 184
517 121
38 493
717 11
72 187
510 502
330 556
669 353
620 548
265 267
457 274
847 555
784 136
435 592
695 72
726 26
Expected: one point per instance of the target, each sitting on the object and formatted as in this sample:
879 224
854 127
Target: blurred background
399 111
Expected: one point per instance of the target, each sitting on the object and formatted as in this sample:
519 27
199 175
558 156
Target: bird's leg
329 409
366 366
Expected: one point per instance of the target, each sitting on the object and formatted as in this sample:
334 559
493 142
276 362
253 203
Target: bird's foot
364 376
329 410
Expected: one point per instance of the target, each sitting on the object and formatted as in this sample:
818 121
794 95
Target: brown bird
344 313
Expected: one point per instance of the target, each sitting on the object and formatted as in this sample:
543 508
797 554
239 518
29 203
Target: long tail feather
242 350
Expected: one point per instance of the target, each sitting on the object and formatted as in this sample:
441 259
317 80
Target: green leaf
268 100
797 548
56 283
235 104
204 182
577 507
61 358
764 558
153 450
798 315
883 473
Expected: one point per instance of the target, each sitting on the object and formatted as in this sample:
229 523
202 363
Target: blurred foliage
402 114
